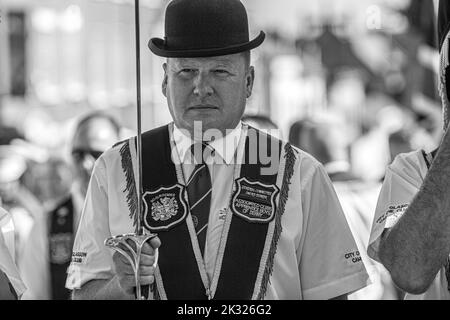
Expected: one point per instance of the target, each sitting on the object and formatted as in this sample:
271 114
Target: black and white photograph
231 150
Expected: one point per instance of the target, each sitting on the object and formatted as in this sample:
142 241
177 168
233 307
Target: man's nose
202 85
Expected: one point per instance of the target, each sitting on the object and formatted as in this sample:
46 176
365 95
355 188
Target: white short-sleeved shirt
403 180
316 257
7 263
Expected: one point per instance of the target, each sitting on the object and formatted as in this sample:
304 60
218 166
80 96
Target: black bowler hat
444 68
443 21
204 28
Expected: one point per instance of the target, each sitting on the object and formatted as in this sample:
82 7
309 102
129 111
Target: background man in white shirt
410 233
11 285
51 238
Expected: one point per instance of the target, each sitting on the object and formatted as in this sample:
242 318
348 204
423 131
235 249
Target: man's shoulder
307 161
303 160
149 134
119 149
120 143
114 152
271 133
411 166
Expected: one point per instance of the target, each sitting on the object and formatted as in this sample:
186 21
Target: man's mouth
203 107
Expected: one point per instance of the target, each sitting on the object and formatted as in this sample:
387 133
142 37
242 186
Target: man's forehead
231 59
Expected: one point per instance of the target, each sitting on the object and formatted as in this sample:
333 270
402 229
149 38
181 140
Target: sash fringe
288 172
130 189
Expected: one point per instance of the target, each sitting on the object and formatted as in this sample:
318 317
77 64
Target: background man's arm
418 245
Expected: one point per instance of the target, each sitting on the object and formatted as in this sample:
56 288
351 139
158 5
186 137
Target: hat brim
156 45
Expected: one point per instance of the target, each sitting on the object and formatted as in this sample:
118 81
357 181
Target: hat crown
202 24
443 21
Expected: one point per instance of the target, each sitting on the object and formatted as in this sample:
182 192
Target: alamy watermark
260 149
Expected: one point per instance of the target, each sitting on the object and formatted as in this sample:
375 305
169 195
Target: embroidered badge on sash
164 208
254 201
60 248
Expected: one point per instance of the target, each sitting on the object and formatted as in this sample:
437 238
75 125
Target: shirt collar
337 166
225 147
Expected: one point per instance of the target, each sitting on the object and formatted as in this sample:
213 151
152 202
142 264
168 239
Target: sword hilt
133 257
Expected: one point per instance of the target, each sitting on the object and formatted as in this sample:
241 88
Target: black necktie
199 193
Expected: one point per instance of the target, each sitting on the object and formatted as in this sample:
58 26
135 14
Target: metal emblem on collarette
164 208
254 201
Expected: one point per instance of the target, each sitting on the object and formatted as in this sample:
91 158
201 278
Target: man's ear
164 82
250 78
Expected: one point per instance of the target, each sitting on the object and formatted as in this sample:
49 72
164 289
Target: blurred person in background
26 212
410 233
49 180
371 152
263 123
325 139
94 133
49 237
11 284
399 142
7 132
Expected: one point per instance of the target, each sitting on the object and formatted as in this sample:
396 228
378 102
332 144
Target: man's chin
198 127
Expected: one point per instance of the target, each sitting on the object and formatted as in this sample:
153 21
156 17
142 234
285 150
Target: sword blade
139 230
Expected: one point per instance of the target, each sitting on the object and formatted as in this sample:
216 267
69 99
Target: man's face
90 141
212 90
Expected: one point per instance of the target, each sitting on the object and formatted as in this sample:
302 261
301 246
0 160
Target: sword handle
133 257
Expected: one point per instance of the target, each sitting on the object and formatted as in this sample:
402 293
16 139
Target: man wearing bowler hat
239 214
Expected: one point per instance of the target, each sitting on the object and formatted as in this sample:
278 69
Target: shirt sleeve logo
78 257
353 257
394 213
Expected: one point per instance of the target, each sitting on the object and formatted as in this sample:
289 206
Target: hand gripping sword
133 255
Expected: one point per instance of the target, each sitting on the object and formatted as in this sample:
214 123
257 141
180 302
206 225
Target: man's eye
221 72
187 71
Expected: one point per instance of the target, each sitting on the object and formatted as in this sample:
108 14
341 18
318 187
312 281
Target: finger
130 243
121 260
143 271
147 260
147 279
124 265
147 249
146 271
127 282
150 246
155 242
